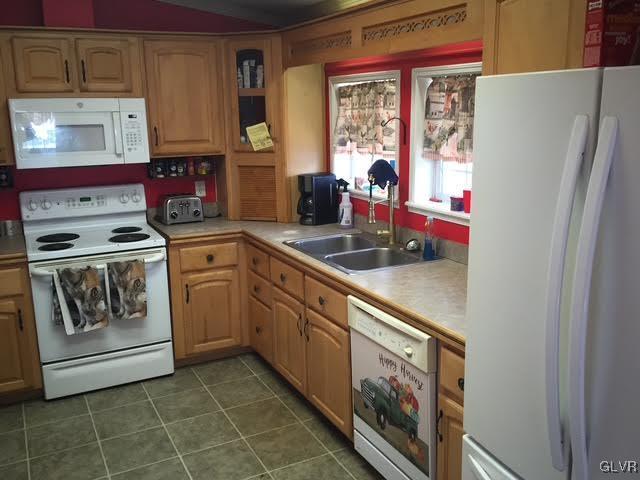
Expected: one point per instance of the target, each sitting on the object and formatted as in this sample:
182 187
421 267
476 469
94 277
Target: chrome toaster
181 209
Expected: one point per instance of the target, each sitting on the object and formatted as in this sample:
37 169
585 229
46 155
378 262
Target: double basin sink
354 252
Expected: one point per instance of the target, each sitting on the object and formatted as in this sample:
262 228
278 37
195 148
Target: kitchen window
358 105
441 162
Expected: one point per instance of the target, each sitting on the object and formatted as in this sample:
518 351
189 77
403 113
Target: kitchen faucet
382 174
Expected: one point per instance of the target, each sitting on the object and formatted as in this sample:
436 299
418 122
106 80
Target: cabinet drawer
258 261
287 278
208 256
260 288
326 301
261 329
452 373
10 282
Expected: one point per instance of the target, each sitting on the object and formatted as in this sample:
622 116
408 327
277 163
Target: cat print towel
79 299
128 286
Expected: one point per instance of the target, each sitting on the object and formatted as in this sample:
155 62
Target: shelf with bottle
160 168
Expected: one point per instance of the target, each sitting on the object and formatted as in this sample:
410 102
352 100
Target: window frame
431 209
333 83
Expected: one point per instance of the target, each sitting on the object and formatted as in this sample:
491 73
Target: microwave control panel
133 122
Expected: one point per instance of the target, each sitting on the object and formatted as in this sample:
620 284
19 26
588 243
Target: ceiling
278 13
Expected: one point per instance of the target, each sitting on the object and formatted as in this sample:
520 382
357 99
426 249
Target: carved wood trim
336 40
413 25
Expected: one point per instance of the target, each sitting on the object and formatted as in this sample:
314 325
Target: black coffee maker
318 202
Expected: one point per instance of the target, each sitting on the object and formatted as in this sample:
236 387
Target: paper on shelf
259 136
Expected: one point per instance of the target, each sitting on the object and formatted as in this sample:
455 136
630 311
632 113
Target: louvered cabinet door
257 192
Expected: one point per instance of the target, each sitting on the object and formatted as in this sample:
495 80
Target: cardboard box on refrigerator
612 33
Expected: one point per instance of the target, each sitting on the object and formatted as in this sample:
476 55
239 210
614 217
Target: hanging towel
79 299
128 286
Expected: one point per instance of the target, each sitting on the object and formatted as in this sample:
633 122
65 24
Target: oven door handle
158 257
39 272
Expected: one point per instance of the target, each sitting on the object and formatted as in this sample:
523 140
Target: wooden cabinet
6 144
327 301
258 261
184 92
450 434
288 278
261 328
211 310
105 64
532 35
450 414
289 343
19 360
43 64
329 370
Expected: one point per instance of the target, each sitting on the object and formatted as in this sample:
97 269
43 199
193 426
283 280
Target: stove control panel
77 202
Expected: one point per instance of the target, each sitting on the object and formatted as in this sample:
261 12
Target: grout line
109 409
49 422
95 430
300 462
145 465
56 452
166 431
26 442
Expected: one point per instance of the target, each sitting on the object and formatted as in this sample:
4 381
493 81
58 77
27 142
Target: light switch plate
201 189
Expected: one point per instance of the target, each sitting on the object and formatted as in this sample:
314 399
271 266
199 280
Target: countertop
433 293
13 248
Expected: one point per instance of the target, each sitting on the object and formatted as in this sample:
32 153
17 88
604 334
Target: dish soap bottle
345 209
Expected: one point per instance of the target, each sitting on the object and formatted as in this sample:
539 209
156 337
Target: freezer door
527 128
612 351
477 464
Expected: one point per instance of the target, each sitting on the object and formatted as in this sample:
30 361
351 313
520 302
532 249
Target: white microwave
74 132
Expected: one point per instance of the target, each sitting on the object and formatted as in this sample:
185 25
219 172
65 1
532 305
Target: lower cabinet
260 328
450 431
289 343
211 310
329 370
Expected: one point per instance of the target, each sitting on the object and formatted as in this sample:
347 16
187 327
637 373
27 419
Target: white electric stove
93 226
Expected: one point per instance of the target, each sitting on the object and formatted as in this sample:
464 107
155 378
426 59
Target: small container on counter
181 167
160 168
173 168
457 204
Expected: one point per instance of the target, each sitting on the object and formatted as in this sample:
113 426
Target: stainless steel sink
331 244
371 259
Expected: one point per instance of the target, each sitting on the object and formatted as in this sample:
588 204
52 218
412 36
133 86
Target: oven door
66 132
55 345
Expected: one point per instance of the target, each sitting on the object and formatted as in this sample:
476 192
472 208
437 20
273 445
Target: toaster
181 209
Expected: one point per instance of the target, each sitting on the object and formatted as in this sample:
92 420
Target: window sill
440 211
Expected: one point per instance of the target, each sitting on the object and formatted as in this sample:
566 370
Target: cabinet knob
256 288
254 261
258 330
283 277
321 300
461 383
209 258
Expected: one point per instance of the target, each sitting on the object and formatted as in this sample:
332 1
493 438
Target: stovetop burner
129 237
126 229
51 247
57 238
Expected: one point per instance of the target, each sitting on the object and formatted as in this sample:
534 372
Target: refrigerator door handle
580 295
560 234
477 469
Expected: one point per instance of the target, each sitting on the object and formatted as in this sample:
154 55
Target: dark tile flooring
231 419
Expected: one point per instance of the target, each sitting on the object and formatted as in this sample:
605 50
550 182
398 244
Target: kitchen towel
79 299
128 287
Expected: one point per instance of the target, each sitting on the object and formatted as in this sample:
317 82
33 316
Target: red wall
48 178
449 55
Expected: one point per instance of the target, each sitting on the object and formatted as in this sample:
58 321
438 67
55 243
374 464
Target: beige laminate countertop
433 294
13 248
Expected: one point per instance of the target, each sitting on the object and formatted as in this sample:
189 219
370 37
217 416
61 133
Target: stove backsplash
47 178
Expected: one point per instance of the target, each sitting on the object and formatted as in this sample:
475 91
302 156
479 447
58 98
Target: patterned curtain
361 109
448 122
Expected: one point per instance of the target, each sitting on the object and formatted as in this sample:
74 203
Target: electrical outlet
201 188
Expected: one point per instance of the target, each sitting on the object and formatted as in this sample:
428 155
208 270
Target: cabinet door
260 328
19 361
450 439
532 35
184 97
211 311
105 64
288 340
329 370
43 64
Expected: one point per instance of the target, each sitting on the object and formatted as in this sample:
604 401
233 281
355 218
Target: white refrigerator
552 382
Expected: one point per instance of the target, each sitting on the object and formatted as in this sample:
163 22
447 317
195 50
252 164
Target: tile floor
231 419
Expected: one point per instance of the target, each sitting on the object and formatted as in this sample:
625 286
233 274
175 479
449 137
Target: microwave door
65 139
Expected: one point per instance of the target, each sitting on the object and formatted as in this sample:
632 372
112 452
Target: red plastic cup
466 199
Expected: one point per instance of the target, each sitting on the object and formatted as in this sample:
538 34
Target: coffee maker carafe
318 202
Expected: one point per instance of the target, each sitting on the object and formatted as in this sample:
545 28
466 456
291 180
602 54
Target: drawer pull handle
299 324
66 70
306 329
283 277
187 292
258 330
256 289
461 383
408 351
209 258
84 72
321 300
438 433
155 132
254 261
20 321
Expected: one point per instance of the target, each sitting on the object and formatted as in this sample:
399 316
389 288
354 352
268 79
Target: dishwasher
393 376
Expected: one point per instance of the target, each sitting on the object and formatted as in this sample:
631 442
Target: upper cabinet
184 92
532 35
253 89
46 64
